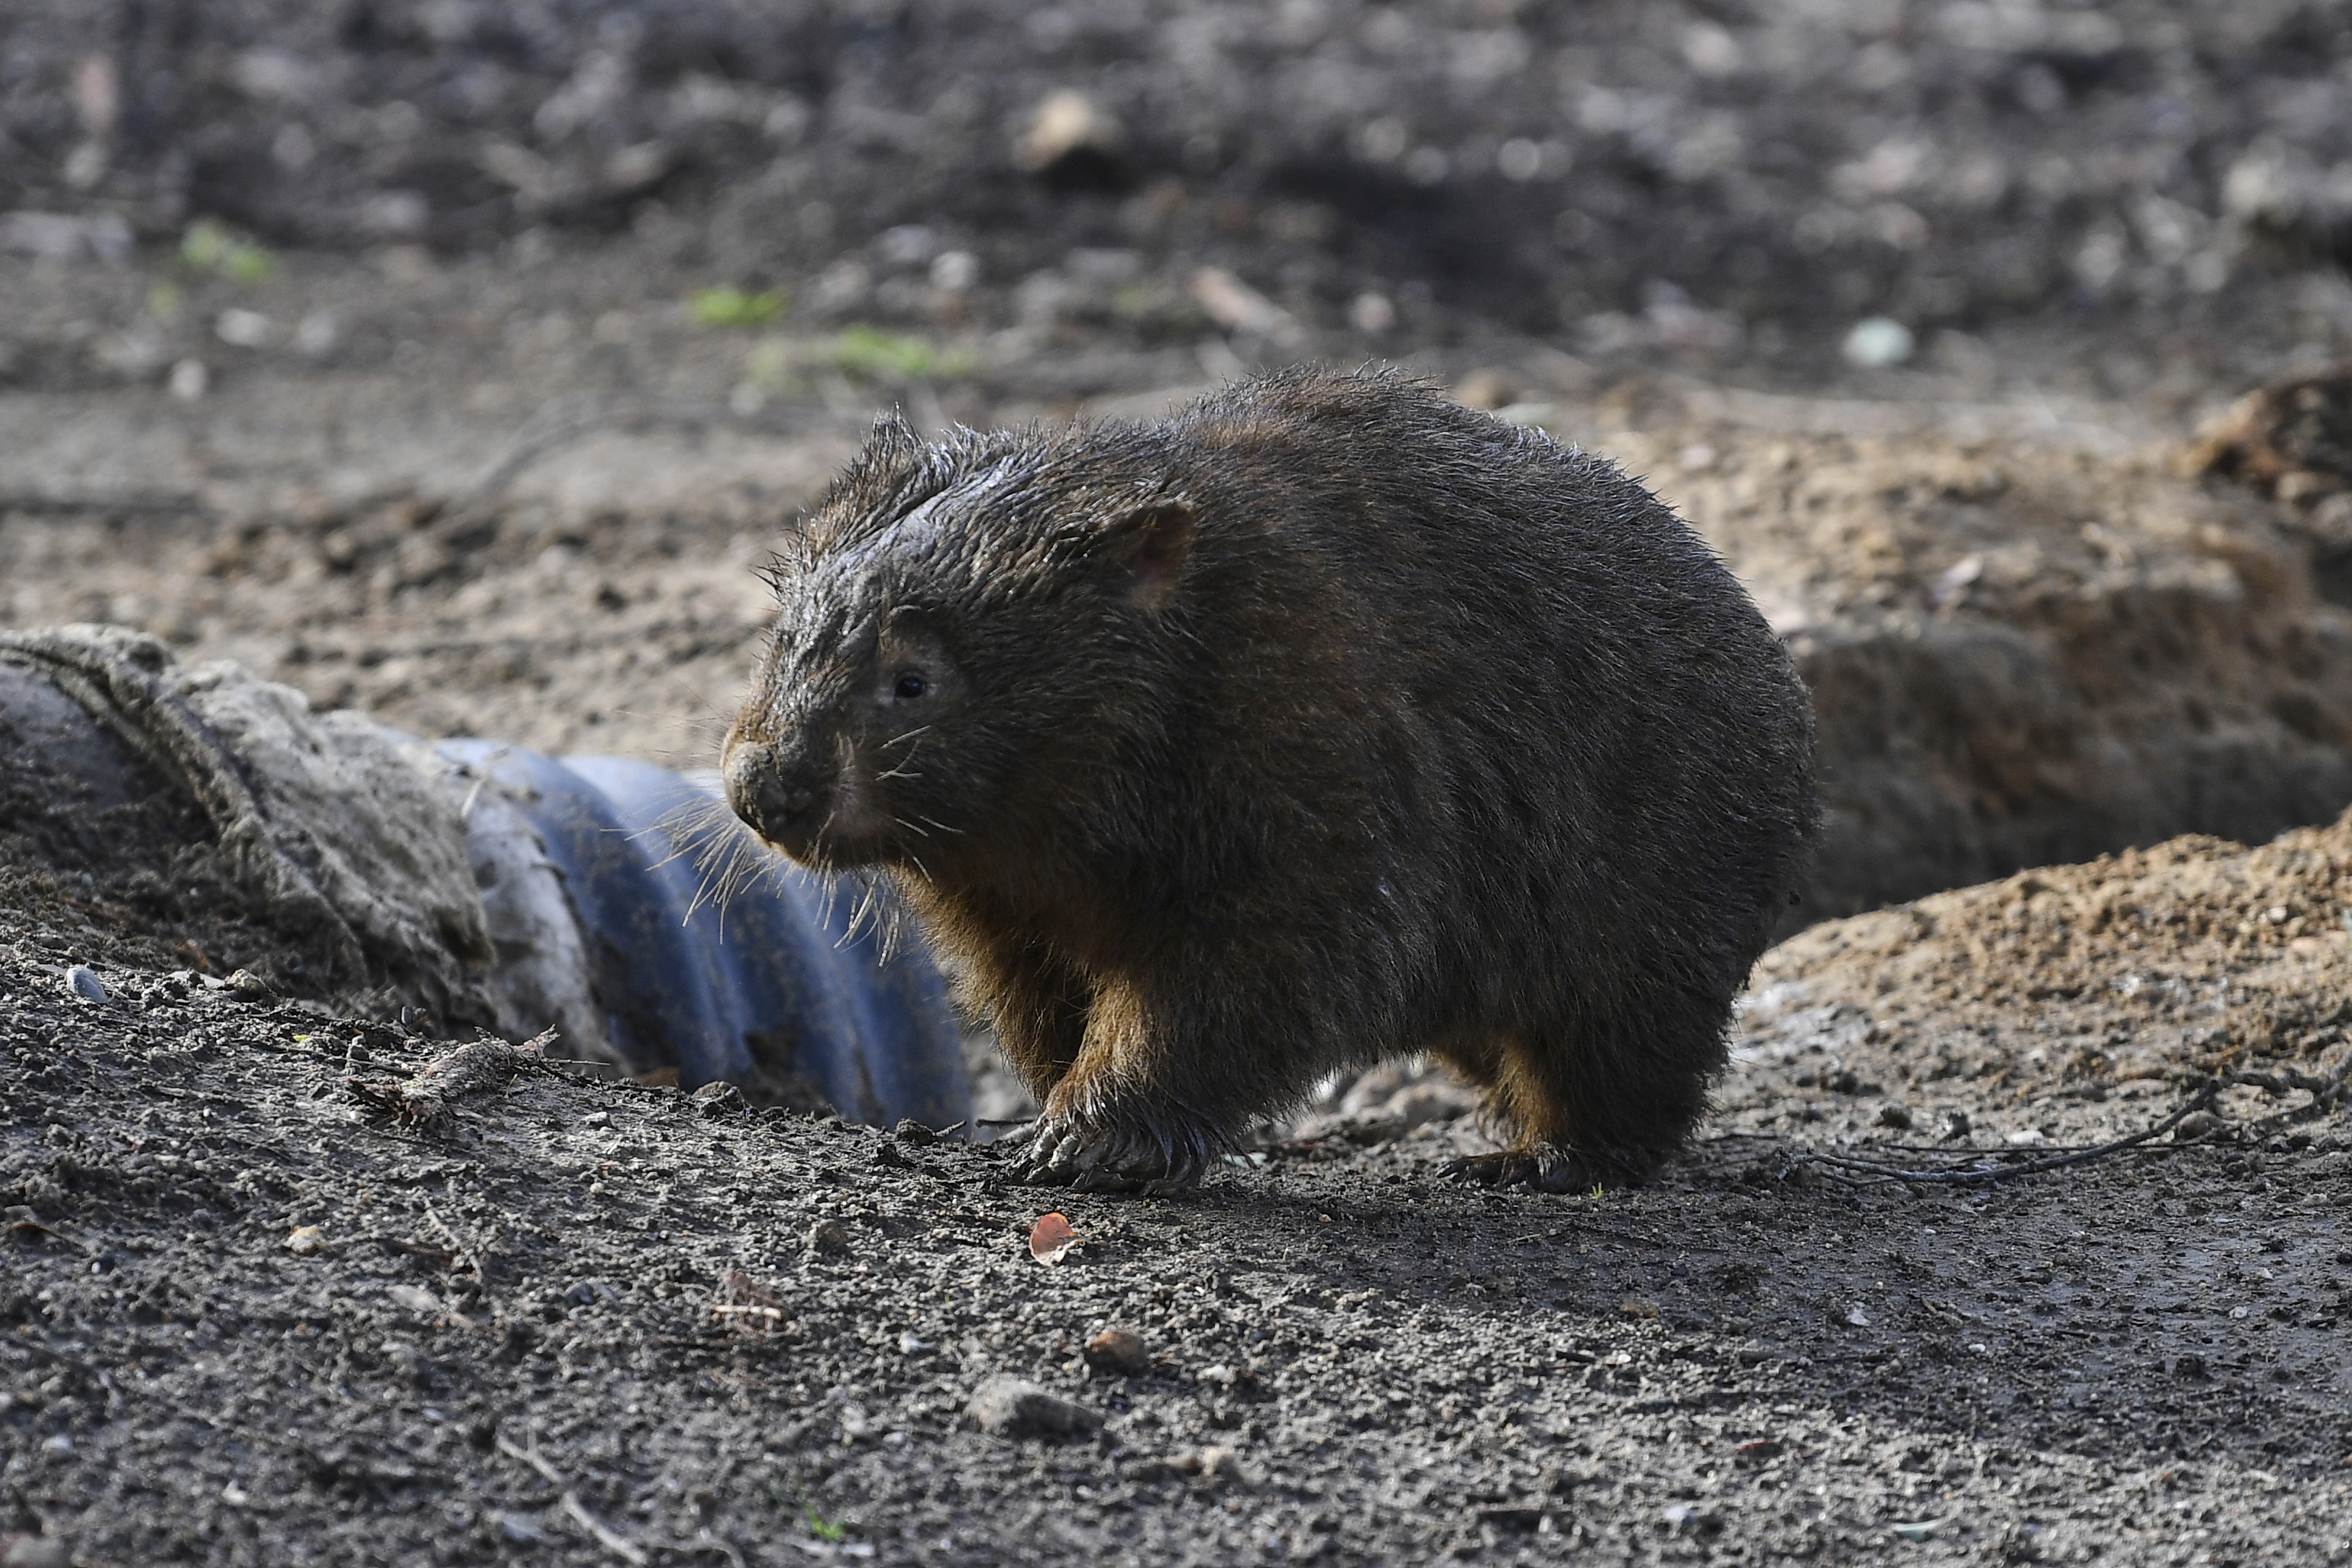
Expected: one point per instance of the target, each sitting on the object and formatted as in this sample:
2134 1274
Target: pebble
58 1447
519 1529
1067 130
827 1237
303 1240
2196 1124
83 982
718 1100
1209 1464
1120 1351
1877 341
1010 1407
36 1551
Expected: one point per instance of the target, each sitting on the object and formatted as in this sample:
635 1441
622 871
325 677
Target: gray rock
1010 1407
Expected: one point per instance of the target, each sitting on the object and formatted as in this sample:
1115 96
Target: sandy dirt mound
2022 656
2045 1005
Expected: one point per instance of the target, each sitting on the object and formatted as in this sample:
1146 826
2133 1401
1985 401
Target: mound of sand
2030 1003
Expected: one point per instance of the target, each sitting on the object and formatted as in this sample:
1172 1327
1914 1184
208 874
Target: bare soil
252 1319
456 449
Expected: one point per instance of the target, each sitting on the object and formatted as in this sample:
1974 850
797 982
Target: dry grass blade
746 1303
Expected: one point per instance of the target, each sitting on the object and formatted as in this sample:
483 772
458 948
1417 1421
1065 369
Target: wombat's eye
911 686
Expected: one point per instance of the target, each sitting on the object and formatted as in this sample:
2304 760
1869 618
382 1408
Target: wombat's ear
1149 545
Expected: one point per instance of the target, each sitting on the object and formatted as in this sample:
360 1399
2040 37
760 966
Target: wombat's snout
779 790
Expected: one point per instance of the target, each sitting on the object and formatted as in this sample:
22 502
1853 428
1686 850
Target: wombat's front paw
1551 1167
1068 1150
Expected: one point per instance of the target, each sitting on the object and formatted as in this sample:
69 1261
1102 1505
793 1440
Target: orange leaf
1051 1238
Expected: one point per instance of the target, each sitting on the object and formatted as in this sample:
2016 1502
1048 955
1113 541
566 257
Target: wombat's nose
766 789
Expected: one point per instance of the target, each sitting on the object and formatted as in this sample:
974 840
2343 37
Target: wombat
1326 721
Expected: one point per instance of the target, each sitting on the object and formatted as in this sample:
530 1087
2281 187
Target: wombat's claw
1065 1153
1542 1168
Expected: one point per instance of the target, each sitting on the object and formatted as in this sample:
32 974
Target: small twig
471 1255
2327 1093
1979 1175
611 1540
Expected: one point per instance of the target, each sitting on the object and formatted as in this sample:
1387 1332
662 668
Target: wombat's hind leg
1548 1168
1583 1116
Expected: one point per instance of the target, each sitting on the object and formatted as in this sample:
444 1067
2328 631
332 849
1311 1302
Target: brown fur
1323 723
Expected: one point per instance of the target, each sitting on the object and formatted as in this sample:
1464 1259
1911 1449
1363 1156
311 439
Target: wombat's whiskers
727 859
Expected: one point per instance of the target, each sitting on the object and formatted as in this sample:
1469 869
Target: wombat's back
1532 726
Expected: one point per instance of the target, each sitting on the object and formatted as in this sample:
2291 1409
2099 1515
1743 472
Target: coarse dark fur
1325 722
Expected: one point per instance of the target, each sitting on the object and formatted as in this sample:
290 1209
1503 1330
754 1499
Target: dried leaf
1051 1238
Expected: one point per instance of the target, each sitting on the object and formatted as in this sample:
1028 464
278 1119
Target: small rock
1009 1407
1119 1351
1209 1464
83 982
1877 341
828 1238
1956 1124
2031 1138
517 1530
58 1447
304 1239
1894 1114
35 1552
243 328
1073 140
248 987
190 380
1485 390
2195 1125
718 1100
914 1134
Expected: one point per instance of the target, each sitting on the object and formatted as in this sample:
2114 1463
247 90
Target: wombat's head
962 629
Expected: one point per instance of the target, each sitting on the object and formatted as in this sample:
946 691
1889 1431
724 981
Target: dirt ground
371 346
252 1319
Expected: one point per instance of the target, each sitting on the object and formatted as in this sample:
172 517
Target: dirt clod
1120 1351
1010 1407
